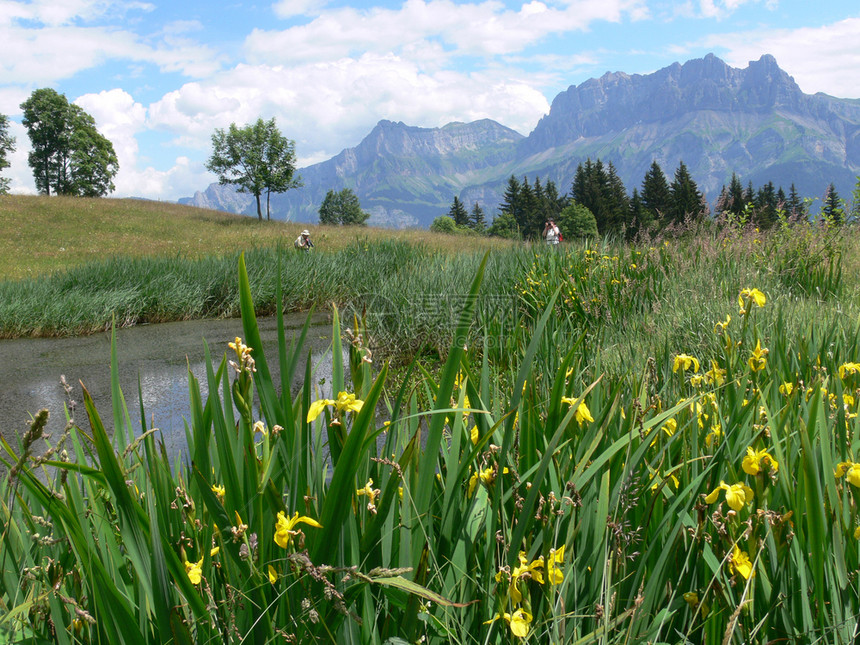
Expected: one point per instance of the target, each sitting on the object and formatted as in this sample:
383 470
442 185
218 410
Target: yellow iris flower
582 413
194 571
285 528
741 563
736 495
752 462
786 388
685 362
848 368
720 327
851 470
758 360
751 296
518 622
715 375
273 575
345 402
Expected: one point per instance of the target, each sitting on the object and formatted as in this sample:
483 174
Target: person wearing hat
551 233
303 241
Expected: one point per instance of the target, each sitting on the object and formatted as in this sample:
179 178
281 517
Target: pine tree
477 219
458 213
686 198
618 203
640 216
656 196
512 203
766 203
736 202
833 210
795 207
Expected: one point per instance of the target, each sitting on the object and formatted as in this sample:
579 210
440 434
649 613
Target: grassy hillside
45 234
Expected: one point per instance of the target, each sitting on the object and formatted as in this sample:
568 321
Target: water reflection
158 357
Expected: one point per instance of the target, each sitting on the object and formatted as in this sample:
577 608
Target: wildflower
273 575
487 476
214 551
669 475
219 492
720 327
474 435
518 622
194 571
857 533
851 470
749 296
736 495
285 527
848 368
740 562
582 412
758 360
684 362
714 436
786 388
371 494
553 572
692 599
260 427
716 375
696 380
752 462
243 353
344 403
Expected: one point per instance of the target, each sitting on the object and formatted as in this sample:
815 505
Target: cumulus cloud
290 8
819 58
44 42
327 106
482 29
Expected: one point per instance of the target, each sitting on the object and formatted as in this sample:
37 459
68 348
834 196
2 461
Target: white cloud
291 8
724 8
819 58
483 29
325 107
119 119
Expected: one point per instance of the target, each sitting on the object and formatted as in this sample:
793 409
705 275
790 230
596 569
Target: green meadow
601 443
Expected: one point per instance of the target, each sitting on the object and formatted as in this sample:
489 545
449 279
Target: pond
159 356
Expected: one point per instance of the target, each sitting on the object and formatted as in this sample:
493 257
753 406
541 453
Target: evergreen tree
795 206
528 206
686 198
736 202
602 193
656 195
512 204
640 216
458 213
477 219
833 210
618 203
766 203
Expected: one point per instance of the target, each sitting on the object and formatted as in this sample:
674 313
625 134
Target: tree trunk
259 208
268 199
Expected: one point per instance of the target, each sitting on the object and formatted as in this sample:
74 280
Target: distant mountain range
717 119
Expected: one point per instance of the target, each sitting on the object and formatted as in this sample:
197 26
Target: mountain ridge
715 118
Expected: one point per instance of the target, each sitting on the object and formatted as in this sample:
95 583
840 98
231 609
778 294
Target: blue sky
159 77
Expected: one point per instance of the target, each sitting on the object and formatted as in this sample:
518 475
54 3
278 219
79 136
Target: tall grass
523 492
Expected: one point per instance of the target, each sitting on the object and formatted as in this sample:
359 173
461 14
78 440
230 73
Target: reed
538 487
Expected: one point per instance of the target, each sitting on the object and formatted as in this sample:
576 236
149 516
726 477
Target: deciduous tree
342 207
69 156
7 145
254 158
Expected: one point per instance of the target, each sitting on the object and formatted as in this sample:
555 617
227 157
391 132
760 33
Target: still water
157 356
